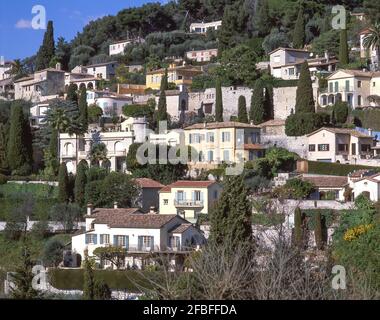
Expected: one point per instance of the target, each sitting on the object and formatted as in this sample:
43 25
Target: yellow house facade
180 75
189 198
223 142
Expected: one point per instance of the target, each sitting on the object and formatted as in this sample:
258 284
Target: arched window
90 86
119 147
69 149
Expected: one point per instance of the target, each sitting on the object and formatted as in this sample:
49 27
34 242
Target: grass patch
336 169
72 279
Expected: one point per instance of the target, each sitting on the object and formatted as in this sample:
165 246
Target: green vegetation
336 169
367 118
218 101
343 48
299 30
294 189
268 219
83 107
162 114
63 184
305 99
242 110
46 52
257 111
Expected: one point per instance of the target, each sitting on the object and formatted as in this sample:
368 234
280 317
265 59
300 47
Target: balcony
337 90
186 204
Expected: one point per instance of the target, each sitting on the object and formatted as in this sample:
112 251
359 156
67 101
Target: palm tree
17 69
372 40
98 153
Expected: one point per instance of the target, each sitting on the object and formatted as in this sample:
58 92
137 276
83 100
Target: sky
18 39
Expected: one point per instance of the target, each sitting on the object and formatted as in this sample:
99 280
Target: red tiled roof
148 183
217 125
187 184
181 228
326 181
130 218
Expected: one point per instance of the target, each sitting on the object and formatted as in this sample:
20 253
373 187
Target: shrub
53 252
3 179
336 169
304 123
294 189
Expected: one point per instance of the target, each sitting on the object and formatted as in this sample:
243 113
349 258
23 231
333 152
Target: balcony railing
189 203
340 89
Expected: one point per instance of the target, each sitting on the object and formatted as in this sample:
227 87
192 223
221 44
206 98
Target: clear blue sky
19 40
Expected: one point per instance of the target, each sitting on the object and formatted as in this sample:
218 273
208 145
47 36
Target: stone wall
293 144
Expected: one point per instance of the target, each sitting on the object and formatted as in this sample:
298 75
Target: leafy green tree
63 184
343 48
83 108
372 40
268 103
53 252
257 111
94 113
113 254
62 53
242 110
340 112
372 9
299 30
80 183
297 189
218 101
72 94
162 114
47 49
67 214
89 278
20 139
23 277
231 218
305 98
300 124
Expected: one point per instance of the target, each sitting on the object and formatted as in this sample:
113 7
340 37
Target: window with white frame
226 136
145 242
166 202
121 241
104 239
226 155
210 137
91 238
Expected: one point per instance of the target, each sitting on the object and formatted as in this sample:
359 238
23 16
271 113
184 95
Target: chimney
327 57
90 209
370 132
115 205
251 123
205 124
58 66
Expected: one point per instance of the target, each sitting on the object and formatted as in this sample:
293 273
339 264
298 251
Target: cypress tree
162 113
343 48
63 184
268 103
298 227
305 98
218 101
318 230
72 93
47 50
88 279
257 111
83 109
231 219
19 144
3 148
242 110
80 183
299 30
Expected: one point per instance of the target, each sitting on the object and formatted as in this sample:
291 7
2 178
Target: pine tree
63 184
19 144
80 183
72 94
318 230
47 50
257 111
83 109
299 30
231 219
262 18
162 113
23 277
298 234
89 279
343 48
242 110
305 97
218 101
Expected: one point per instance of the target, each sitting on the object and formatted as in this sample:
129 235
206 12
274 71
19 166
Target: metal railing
189 203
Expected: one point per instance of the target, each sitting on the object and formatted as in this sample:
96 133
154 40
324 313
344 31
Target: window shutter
95 238
101 239
176 196
184 196
152 243
115 240
193 195
202 196
86 239
140 242
126 242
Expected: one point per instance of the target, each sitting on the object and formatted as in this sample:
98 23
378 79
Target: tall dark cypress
72 94
3 148
242 110
218 101
257 111
83 108
162 113
63 184
80 183
305 98
299 30
47 50
343 48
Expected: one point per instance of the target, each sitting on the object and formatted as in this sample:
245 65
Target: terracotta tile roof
326 181
361 173
188 184
287 49
181 228
217 125
370 178
352 132
130 218
184 69
148 183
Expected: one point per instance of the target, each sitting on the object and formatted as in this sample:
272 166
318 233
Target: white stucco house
143 236
111 103
203 27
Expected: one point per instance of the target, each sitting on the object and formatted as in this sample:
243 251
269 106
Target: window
365 147
359 100
145 242
121 241
291 72
277 59
331 87
374 84
342 147
215 194
91 238
323 147
197 196
210 155
104 239
347 85
166 202
336 86
210 137
174 242
353 149
226 155
359 84
180 196
311 147
226 136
